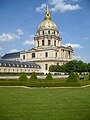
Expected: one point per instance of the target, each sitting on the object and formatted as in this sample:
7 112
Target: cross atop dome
47 13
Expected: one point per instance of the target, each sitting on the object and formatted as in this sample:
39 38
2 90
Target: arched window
49 42
43 32
42 42
33 55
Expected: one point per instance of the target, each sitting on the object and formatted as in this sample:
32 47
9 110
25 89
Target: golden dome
47 22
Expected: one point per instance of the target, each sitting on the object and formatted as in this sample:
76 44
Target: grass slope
44 104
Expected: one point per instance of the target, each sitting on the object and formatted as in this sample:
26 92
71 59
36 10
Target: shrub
23 77
72 78
89 76
33 76
77 76
49 76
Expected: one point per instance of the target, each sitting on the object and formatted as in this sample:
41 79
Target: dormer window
4 64
9 64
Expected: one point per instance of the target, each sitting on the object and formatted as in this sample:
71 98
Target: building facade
48 49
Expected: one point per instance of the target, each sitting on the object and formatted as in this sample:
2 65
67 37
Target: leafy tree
33 76
52 68
55 68
23 77
75 66
71 66
49 77
88 68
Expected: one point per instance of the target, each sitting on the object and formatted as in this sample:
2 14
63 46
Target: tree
71 66
23 77
88 68
72 77
49 77
55 68
33 76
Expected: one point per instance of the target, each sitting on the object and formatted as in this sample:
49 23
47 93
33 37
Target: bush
77 76
49 77
89 76
72 77
23 77
33 76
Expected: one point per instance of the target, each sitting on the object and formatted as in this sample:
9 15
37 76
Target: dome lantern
47 13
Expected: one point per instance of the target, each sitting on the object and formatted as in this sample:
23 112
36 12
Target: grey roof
11 55
5 63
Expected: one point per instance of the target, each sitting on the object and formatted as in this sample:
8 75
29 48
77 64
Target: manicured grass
44 104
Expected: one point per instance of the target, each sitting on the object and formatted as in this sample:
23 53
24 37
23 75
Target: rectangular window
33 55
38 43
54 42
42 42
23 56
46 54
49 32
56 54
49 42
46 66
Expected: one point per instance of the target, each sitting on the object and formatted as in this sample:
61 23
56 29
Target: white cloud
73 45
31 36
41 8
62 32
77 57
13 50
8 37
75 0
86 38
60 5
19 32
1 48
80 58
30 41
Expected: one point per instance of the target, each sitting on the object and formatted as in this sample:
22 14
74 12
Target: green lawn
45 104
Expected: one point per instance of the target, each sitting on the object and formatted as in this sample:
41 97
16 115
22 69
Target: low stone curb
43 87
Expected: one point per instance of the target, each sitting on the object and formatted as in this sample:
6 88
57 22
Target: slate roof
5 63
11 55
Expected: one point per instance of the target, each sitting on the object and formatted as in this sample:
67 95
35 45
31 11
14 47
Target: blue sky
19 20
